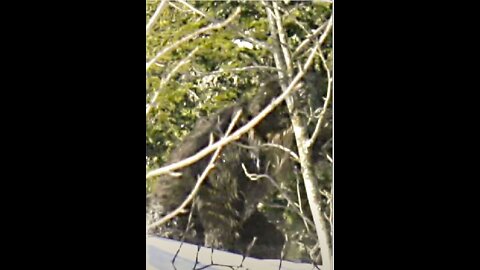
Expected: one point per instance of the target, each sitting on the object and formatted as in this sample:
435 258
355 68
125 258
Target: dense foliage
226 65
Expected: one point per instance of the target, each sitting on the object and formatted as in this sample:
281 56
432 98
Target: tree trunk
283 62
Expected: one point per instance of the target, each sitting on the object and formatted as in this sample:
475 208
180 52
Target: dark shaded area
269 240
225 214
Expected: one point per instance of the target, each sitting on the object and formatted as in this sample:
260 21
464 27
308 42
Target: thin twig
321 118
239 132
283 148
276 50
168 77
300 202
175 7
247 251
155 15
200 180
256 177
193 35
259 43
283 251
327 30
329 197
195 10
301 138
326 194
282 35
244 129
185 233
303 28
310 38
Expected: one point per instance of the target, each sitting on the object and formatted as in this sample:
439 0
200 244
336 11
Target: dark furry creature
225 212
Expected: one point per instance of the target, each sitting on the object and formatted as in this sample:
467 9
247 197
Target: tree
205 56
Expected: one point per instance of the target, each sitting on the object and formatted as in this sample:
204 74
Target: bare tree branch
303 28
259 43
185 233
327 30
155 15
300 201
199 182
301 137
193 35
329 197
168 77
176 7
239 132
321 118
283 39
310 38
195 10
276 50
283 148
285 68
295 207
